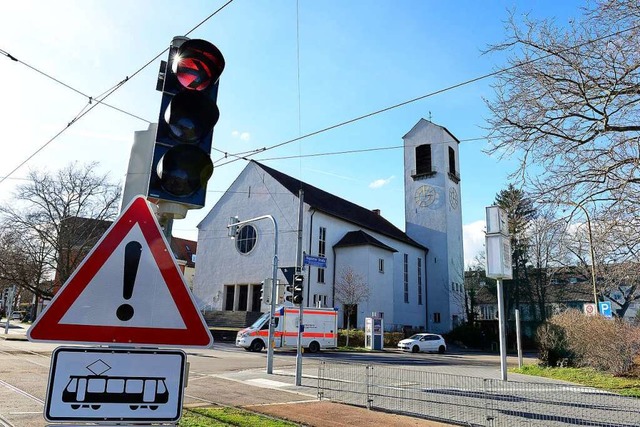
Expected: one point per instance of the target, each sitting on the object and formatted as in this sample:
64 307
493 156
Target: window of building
436 317
419 281
406 278
381 265
246 239
452 161
423 159
319 300
322 245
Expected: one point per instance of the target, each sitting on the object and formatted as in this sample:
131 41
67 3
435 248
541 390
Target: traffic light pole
274 287
299 270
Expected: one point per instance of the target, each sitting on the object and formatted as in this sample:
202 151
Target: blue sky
293 68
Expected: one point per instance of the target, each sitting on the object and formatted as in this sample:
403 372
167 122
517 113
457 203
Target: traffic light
265 290
181 163
232 228
298 282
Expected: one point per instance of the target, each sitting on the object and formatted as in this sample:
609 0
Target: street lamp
233 226
593 254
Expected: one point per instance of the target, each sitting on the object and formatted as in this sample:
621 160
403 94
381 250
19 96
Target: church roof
422 122
340 208
360 238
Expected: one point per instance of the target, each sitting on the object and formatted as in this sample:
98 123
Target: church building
415 276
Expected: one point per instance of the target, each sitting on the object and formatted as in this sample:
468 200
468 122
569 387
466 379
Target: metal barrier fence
470 401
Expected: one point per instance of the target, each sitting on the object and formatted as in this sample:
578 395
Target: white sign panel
497 220
498 249
107 385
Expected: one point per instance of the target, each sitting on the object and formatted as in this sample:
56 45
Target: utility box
374 333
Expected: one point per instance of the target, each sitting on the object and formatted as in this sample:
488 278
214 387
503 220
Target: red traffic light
198 64
181 164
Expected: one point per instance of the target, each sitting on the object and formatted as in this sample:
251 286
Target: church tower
433 218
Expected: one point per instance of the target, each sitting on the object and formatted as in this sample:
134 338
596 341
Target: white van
320 330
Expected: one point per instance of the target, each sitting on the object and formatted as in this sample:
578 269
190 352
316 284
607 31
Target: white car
423 342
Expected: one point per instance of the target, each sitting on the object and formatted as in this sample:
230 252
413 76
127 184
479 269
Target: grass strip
626 386
218 416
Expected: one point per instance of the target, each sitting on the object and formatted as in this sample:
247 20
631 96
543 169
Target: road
24 374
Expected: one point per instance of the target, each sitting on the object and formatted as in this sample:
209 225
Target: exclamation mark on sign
132 253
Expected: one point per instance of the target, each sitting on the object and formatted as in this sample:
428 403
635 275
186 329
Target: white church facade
414 276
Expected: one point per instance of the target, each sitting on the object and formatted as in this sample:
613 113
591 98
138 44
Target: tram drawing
93 391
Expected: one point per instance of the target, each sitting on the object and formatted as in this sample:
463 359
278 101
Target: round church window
246 239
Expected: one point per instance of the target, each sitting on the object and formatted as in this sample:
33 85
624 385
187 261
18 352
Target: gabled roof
360 238
423 122
340 208
184 250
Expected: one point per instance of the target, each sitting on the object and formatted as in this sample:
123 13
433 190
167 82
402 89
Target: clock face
426 196
453 198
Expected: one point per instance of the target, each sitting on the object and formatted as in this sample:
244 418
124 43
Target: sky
293 68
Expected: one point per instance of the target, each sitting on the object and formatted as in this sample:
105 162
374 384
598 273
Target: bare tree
350 290
547 255
52 223
568 104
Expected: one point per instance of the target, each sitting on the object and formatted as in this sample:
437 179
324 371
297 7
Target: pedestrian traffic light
181 164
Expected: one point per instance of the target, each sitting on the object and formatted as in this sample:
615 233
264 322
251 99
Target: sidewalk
17 331
299 404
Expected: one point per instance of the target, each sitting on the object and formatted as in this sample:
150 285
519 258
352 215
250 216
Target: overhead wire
421 97
98 100
68 86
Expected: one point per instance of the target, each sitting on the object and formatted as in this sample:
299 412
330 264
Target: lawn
221 416
626 386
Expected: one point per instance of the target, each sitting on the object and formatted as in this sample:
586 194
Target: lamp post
593 254
274 287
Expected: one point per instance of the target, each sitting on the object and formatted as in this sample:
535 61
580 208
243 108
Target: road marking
22 392
265 383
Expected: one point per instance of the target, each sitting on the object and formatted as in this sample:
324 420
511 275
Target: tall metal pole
299 270
503 334
9 308
593 257
274 296
274 286
518 338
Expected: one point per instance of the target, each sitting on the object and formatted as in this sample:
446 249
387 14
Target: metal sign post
498 246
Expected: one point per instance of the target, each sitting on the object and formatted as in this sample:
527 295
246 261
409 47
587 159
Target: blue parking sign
605 308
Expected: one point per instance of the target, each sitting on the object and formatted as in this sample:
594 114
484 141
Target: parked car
17 315
423 342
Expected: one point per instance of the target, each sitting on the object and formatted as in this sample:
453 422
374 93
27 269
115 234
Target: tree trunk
348 325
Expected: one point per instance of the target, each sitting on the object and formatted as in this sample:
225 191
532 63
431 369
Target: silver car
423 342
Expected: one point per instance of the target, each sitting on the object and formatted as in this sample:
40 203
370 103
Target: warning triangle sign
127 291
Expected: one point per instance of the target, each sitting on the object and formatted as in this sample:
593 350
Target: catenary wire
108 93
428 95
50 77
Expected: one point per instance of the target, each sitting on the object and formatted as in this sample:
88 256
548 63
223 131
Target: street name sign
107 385
127 291
315 261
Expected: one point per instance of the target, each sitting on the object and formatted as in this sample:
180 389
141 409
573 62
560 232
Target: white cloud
380 182
473 235
244 136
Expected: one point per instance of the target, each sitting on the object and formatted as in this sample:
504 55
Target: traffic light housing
265 290
294 290
181 164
